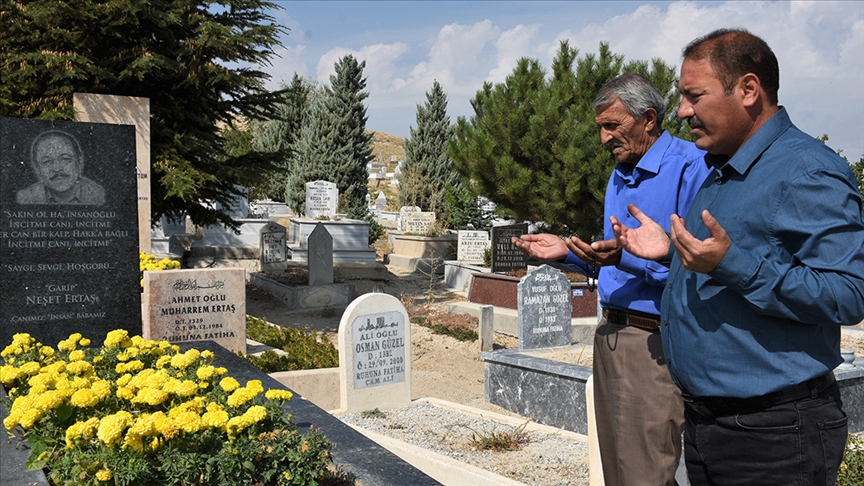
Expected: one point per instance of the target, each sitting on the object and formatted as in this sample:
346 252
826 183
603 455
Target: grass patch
457 326
498 441
851 471
305 350
374 413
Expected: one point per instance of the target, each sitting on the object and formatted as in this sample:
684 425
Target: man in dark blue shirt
764 270
639 412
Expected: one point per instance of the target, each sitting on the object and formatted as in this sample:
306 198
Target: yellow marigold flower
255 386
189 422
150 396
101 388
84 398
21 343
240 397
80 368
111 428
77 355
206 372
216 419
66 345
165 425
163 361
103 475
97 359
46 351
254 415
28 418
278 395
30 368
124 380
229 384
84 342
124 393
76 383
185 360
8 374
75 337
133 365
50 400
78 430
116 338
207 354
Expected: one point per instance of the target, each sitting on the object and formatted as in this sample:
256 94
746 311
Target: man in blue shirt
639 410
766 267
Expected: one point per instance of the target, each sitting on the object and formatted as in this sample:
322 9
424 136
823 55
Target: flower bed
142 412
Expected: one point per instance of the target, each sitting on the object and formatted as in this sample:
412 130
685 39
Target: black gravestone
68 230
505 256
544 309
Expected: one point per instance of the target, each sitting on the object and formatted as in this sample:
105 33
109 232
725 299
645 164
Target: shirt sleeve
812 269
576 263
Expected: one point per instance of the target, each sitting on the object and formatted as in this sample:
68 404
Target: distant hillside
384 146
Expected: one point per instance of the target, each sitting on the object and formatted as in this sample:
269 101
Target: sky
462 44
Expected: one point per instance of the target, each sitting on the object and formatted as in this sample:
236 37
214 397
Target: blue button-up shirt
768 316
663 182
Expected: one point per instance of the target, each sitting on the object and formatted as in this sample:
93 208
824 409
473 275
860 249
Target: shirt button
627 215
670 285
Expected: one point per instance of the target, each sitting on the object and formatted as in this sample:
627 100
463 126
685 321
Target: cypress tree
428 171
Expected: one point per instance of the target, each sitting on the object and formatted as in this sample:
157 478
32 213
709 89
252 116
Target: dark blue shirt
769 315
663 182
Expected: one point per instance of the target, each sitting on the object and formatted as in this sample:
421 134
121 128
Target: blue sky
407 45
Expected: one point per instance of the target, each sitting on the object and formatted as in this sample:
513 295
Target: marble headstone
419 222
505 255
471 245
403 215
273 246
196 305
374 354
68 264
320 256
544 309
322 198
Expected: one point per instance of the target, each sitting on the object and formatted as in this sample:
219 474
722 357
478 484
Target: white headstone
471 246
196 305
381 201
403 215
419 222
374 354
322 198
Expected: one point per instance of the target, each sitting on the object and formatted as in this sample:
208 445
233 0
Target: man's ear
751 89
651 120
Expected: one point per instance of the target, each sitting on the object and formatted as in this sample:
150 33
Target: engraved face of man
57 162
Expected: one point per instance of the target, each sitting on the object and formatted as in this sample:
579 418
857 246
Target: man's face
719 122
627 137
57 163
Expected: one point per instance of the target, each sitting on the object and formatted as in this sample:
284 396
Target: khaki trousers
639 410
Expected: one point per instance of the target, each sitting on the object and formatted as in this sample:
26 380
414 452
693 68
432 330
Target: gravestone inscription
471 246
403 215
68 230
322 197
273 246
374 354
420 222
544 309
505 255
196 305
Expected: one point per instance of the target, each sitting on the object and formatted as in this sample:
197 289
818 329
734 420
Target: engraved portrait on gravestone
57 162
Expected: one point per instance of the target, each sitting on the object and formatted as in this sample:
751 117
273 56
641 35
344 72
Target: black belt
720 406
649 322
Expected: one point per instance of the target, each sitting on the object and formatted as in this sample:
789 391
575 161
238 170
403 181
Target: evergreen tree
428 171
279 135
333 143
194 59
532 146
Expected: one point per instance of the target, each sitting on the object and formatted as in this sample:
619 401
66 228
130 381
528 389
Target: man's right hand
542 247
648 241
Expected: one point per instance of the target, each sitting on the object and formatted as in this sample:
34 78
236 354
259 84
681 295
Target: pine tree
194 59
333 143
279 135
428 171
532 146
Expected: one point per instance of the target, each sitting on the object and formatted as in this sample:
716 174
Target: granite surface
505 256
544 309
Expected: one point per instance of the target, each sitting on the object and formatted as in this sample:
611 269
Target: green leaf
37 447
63 412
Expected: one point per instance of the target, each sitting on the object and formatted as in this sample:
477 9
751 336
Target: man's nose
605 136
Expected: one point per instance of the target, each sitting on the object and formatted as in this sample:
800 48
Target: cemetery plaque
273 246
403 215
322 197
68 230
505 255
471 246
196 305
419 222
374 354
320 256
544 309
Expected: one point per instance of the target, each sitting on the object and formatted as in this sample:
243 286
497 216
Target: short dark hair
734 53
636 92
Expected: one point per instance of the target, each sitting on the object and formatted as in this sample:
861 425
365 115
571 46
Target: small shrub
500 441
374 413
305 350
852 468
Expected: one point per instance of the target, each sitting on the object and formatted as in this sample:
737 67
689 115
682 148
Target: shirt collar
650 162
749 153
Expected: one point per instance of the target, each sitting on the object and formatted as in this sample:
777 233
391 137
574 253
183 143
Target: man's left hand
603 253
701 256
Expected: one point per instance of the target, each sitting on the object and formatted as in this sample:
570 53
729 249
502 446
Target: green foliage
532 146
196 61
333 145
851 471
305 350
442 326
857 167
500 441
428 172
464 211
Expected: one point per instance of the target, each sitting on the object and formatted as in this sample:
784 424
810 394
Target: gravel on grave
546 459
